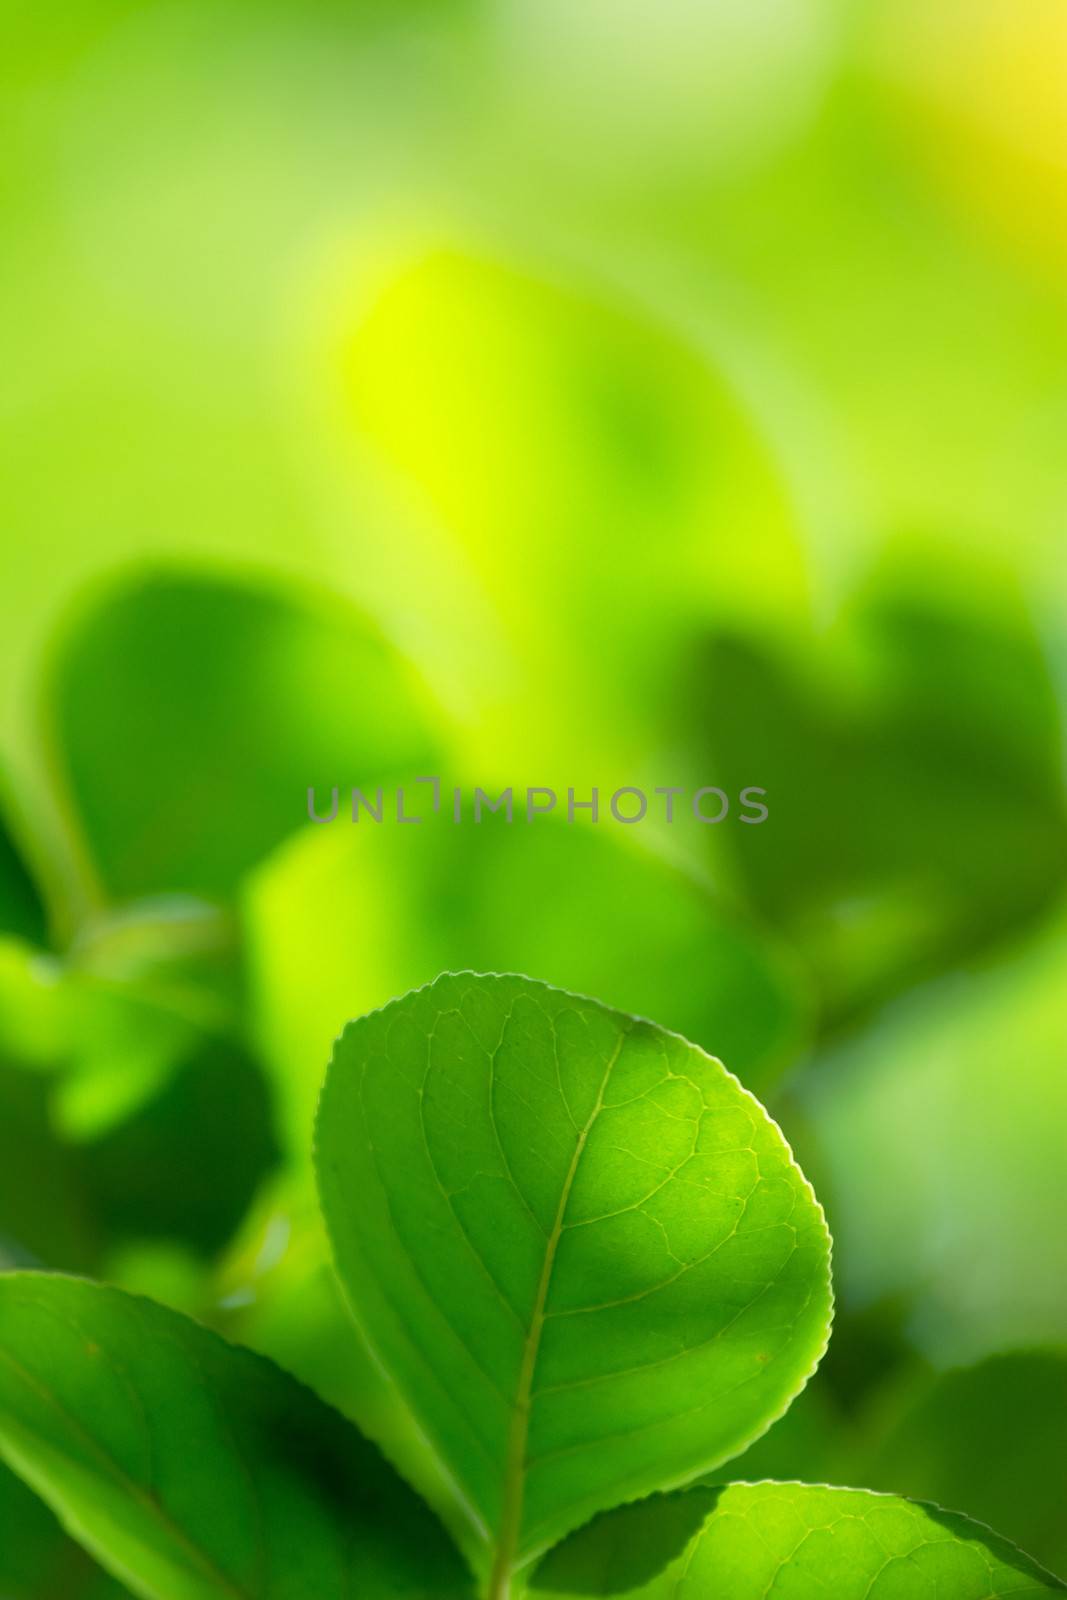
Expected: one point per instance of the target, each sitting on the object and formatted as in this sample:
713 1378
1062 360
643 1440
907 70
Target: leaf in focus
796 1541
192 713
990 1440
583 1252
193 1469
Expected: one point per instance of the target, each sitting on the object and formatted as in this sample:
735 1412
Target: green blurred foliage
812 1443
38 1561
940 1135
190 712
251 1485
175 1170
987 1439
277 1293
749 1540
355 914
21 911
44 1213
915 761
533 393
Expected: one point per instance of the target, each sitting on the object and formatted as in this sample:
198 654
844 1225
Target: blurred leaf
38 1561
22 911
34 1027
812 1441
279 1295
122 1052
142 987
164 1270
179 952
748 1541
942 1158
575 457
582 1226
193 1468
46 1216
989 1439
627 1549
187 1165
137 985
191 714
913 776
182 1166
352 915
473 374
123 1083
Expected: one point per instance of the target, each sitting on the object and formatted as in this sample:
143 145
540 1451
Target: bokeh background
559 392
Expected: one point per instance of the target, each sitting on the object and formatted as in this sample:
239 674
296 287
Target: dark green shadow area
623 1549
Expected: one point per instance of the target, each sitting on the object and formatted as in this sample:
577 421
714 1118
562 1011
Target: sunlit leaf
582 1251
575 457
749 1541
34 1022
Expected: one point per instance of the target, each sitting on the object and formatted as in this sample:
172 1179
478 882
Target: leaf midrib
518 1431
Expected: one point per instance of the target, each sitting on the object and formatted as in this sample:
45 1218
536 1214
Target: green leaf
990 1440
22 911
191 714
291 1309
940 1133
38 1561
186 1165
913 770
464 369
812 1438
33 1012
751 1541
581 1249
193 1469
349 916
129 1133
45 1214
